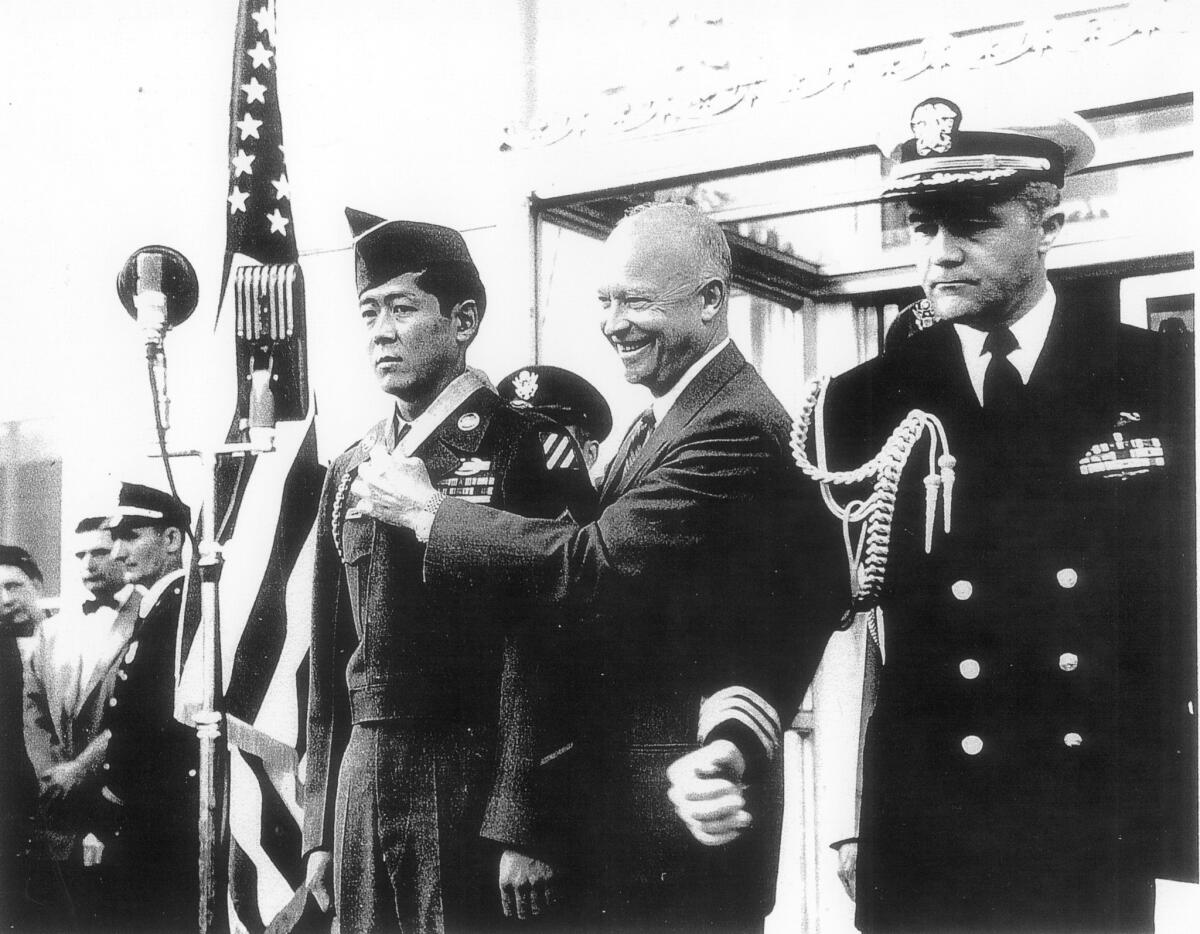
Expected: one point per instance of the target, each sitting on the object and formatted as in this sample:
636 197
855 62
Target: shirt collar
156 590
449 399
1030 332
662 405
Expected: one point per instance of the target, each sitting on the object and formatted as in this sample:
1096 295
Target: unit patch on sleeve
559 450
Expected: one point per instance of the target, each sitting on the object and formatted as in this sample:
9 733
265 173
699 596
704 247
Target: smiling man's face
981 260
653 313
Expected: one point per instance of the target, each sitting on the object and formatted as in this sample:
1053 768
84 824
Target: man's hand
707 791
526 885
848 866
60 780
390 488
318 878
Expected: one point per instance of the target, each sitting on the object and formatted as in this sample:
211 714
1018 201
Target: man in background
565 397
70 676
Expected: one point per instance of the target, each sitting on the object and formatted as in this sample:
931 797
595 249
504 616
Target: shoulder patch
559 450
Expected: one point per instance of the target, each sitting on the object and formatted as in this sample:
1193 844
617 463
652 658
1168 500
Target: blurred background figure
70 675
20 588
567 398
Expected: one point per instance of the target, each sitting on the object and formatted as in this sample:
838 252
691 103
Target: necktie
95 603
405 428
1002 386
634 441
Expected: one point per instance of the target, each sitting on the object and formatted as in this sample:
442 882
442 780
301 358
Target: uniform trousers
407 851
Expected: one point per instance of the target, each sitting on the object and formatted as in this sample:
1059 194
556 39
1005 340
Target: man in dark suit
144 838
1030 763
702 595
426 725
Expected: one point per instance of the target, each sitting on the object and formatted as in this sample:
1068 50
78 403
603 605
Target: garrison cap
942 156
139 505
559 394
385 249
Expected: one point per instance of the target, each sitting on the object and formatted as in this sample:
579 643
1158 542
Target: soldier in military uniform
567 398
144 837
1030 761
425 740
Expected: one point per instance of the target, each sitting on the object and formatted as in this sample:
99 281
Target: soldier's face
100 572
411 344
653 313
19 595
981 261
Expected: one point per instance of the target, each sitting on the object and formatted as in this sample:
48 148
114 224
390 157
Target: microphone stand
208 720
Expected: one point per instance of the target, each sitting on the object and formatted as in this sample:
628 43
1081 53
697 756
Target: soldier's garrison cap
385 249
559 394
948 153
139 505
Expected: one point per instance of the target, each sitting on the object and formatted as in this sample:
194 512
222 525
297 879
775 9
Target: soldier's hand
708 794
318 878
526 885
848 866
390 488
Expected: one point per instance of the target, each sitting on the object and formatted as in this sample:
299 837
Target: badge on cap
468 421
525 385
934 123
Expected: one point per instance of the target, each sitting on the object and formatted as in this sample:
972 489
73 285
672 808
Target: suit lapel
122 632
699 392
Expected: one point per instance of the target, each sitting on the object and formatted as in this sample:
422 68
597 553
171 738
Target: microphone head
176 279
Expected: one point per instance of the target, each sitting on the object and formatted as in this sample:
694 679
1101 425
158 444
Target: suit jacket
702 597
382 648
1026 764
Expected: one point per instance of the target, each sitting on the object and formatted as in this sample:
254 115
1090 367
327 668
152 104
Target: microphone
269 322
159 289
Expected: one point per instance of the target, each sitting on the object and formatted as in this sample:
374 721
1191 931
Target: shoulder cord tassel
868 557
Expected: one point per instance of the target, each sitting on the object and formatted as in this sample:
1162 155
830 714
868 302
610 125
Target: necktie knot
1000 342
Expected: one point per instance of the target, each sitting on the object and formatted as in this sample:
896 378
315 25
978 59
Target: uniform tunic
1026 765
409 761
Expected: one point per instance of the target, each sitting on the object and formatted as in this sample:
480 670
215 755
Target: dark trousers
407 852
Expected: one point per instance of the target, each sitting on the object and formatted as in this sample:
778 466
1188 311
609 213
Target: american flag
265 510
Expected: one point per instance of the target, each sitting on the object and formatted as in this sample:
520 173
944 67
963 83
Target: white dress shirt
1030 333
662 405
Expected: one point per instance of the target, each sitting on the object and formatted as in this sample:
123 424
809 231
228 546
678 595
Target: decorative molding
617 114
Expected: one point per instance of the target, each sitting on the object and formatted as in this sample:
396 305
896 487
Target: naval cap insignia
468 421
934 123
525 385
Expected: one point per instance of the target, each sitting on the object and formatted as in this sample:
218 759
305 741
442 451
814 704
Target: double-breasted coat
1026 766
423 734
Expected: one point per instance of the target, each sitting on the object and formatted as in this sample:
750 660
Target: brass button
969 668
962 590
972 745
1068 661
1067 578
112 702
1072 739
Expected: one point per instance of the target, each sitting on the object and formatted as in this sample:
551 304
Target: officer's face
19 595
654 313
982 262
414 348
145 554
100 572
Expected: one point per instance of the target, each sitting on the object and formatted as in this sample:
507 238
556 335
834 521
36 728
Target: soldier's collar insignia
525 385
468 421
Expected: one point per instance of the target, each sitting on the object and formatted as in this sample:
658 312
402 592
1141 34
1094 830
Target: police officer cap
385 249
942 156
559 394
139 505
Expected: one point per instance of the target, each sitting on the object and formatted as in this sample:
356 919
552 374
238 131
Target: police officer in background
424 797
1030 764
145 837
565 397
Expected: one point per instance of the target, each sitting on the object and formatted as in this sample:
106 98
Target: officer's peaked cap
559 394
139 505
